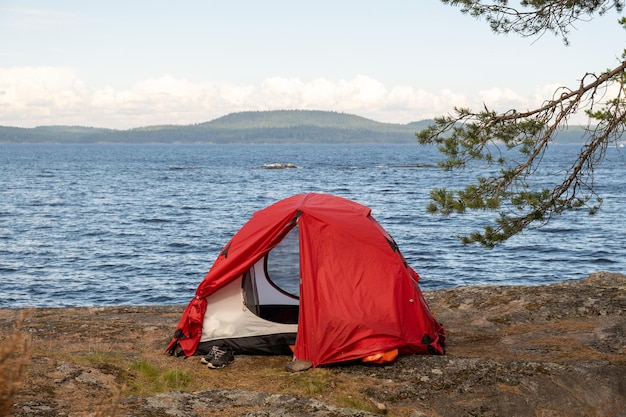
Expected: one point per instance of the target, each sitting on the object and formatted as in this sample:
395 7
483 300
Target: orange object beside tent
351 295
381 358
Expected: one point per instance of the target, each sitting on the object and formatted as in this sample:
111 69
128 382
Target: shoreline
557 350
130 307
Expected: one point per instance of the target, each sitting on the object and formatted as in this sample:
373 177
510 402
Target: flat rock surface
556 350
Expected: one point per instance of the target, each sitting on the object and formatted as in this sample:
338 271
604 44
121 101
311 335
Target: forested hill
279 126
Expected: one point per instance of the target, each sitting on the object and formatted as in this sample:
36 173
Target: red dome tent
315 271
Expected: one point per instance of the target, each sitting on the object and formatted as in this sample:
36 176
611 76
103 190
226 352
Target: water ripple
137 225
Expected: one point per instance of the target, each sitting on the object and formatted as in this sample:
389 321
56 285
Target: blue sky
136 63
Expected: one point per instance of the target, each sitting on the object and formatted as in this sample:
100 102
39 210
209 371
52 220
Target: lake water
99 225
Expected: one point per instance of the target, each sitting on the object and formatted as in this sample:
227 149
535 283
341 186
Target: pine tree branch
535 17
470 136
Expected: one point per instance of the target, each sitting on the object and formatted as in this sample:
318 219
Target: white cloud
38 93
32 96
504 99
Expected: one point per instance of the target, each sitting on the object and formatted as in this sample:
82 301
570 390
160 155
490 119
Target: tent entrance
271 288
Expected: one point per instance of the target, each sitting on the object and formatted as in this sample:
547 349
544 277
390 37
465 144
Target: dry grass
151 372
14 358
84 361
123 351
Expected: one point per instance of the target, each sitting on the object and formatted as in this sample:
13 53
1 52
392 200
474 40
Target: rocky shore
555 350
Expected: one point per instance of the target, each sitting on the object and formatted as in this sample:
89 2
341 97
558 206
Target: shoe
176 351
218 358
206 358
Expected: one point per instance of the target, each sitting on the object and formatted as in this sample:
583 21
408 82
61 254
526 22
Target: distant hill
278 126
296 118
